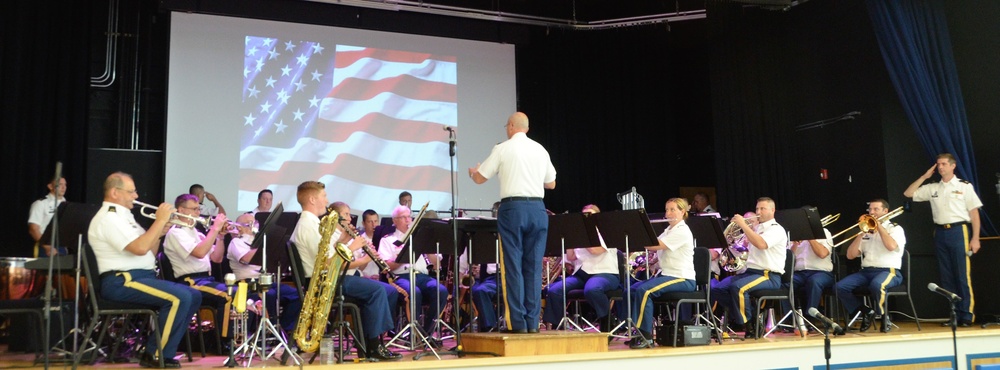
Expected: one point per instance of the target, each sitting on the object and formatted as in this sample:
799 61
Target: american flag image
367 122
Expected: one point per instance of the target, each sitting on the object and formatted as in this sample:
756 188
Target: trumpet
175 218
867 223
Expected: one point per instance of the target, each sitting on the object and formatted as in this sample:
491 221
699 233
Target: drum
16 282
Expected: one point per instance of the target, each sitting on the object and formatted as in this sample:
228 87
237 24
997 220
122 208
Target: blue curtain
915 44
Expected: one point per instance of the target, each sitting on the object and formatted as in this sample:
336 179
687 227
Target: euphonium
319 297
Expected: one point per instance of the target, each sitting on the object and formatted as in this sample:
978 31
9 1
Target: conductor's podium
549 342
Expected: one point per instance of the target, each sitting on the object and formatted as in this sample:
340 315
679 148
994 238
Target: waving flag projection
369 123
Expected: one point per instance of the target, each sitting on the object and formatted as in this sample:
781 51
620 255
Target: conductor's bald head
518 122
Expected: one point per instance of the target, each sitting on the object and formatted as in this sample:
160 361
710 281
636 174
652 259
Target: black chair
701 296
576 296
34 308
167 273
758 297
101 308
903 289
350 307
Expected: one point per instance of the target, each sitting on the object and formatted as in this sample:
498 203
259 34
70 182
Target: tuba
319 296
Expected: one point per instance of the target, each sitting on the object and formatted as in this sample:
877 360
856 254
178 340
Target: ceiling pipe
525 19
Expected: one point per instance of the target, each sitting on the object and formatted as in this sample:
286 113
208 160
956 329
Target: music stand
800 224
73 220
622 230
567 228
707 232
271 235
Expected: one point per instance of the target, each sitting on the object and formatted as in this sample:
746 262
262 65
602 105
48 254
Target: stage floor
903 348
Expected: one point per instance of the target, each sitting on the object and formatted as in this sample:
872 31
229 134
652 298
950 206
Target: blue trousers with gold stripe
950 246
644 292
175 303
734 292
214 293
523 227
877 279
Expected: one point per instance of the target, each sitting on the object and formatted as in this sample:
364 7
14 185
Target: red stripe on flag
381 126
346 58
405 85
352 168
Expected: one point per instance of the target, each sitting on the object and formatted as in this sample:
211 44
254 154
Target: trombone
829 219
867 223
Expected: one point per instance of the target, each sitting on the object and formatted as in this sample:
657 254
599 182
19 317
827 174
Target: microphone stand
953 320
826 343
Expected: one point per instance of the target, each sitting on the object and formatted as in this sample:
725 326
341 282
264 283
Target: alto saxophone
319 296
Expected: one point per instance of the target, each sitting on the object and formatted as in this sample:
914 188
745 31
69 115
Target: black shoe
961 324
639 343
749 331
169 363
886 324
533 331
148 361
379 352
515 331
867 319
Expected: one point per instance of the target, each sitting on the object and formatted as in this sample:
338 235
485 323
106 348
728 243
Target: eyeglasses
132 191
192 208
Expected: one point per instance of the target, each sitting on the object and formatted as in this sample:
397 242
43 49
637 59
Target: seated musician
765 264
597 274
41 213
370 220
813 271
483 291
676 255
126 260
375 314
881 253
240 255
425 288
363 266
213 207
700 204
191 254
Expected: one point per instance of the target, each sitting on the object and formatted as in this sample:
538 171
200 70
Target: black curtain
43 106
617 109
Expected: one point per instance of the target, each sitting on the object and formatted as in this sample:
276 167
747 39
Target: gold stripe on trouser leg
216 292
744 289
881 296
968 271
503 284
645 297
171 315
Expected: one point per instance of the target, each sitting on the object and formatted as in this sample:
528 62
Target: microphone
230 280
449 129
939 290
837 330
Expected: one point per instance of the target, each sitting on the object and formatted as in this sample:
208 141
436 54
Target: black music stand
800 224
568 229
73 220
271 257
624 230
440 232
707 232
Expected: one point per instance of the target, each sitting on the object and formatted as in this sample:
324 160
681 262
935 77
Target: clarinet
367 248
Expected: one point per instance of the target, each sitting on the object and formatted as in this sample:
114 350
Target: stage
903 348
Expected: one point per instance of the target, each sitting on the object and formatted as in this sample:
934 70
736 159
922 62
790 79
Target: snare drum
16 282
